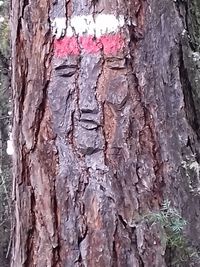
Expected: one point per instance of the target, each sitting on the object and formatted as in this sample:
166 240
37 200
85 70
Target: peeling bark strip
89 34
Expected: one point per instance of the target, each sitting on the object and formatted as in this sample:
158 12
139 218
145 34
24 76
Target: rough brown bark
102 141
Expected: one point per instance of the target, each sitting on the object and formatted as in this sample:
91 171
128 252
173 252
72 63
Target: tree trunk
106 128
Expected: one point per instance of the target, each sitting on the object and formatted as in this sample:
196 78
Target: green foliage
5 120
5 92
174 225
172 222
4 30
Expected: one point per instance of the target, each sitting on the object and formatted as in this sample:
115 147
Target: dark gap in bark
188 98
122 221
56 250
114 250
81 238
40 114
169 255
30 234
22 90
26 3
25 169
80 260
141 263
114 255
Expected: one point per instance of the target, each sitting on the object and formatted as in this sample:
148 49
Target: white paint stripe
91 25
58 27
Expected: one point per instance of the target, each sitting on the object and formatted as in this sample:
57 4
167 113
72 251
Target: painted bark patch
66 46
85 34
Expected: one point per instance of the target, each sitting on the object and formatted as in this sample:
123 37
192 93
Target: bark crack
190 108
56 248
30 232
39 115
114 250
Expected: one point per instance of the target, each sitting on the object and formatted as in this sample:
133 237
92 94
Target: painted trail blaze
88 35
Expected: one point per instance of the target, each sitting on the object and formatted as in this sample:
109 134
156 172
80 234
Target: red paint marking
89 44
66 46
111 45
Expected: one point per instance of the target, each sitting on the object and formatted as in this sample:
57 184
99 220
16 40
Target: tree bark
102 140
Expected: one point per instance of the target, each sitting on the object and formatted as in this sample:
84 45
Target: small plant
172 222
173 225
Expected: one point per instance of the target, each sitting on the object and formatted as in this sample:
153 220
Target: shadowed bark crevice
31 233
190 108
